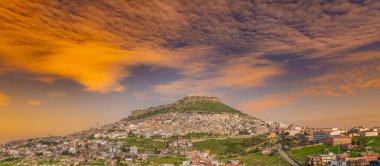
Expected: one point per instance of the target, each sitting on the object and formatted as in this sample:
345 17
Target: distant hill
200 104
192 116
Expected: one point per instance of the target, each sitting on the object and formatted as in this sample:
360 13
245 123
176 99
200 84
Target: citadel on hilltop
187 99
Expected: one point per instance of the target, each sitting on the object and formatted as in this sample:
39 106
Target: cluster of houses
180 124
108 142
67 150
331 137
342 138
341 159
72 151
328 136
364 131
181 143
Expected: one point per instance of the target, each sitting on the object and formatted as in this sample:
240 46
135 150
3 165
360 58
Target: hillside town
172 124
71 151
333 146
113 149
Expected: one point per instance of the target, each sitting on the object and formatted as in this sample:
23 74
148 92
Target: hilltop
199 104
188 116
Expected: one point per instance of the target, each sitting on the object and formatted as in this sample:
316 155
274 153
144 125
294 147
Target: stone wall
197 99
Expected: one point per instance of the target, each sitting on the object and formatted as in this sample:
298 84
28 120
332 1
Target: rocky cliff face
187 99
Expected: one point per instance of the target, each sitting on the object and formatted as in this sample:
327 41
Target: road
286 157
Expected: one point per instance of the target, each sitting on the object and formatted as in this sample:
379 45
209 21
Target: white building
369 133
133 150
14 153
292 132
337 132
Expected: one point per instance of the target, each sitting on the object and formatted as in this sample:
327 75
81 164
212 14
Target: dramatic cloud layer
76 47
248 71
259 55
94 42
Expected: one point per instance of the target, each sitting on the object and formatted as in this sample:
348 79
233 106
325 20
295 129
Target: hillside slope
189 104
188 116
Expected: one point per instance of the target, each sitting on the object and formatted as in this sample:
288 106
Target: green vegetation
230 147
94 163
364 144
291 142
164 160
9 162
257 158
97 163
368 143
300 154
47 162
144 143
200 135
201 106
91 137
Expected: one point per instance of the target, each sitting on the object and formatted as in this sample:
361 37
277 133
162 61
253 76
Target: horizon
66 66
99 125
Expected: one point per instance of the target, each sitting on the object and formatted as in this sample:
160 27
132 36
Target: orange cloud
248 71
345 80
245 75
97 66
263 104
72 49
4 100
34 102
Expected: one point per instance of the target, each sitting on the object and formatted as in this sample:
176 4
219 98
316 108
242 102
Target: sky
66 66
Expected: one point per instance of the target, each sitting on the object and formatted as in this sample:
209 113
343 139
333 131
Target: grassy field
9 162
229 146
143 143
257 158
165 160
300 154
373 143
97 163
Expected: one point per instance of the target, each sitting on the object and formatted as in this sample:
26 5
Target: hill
192 116
163 134
200 104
